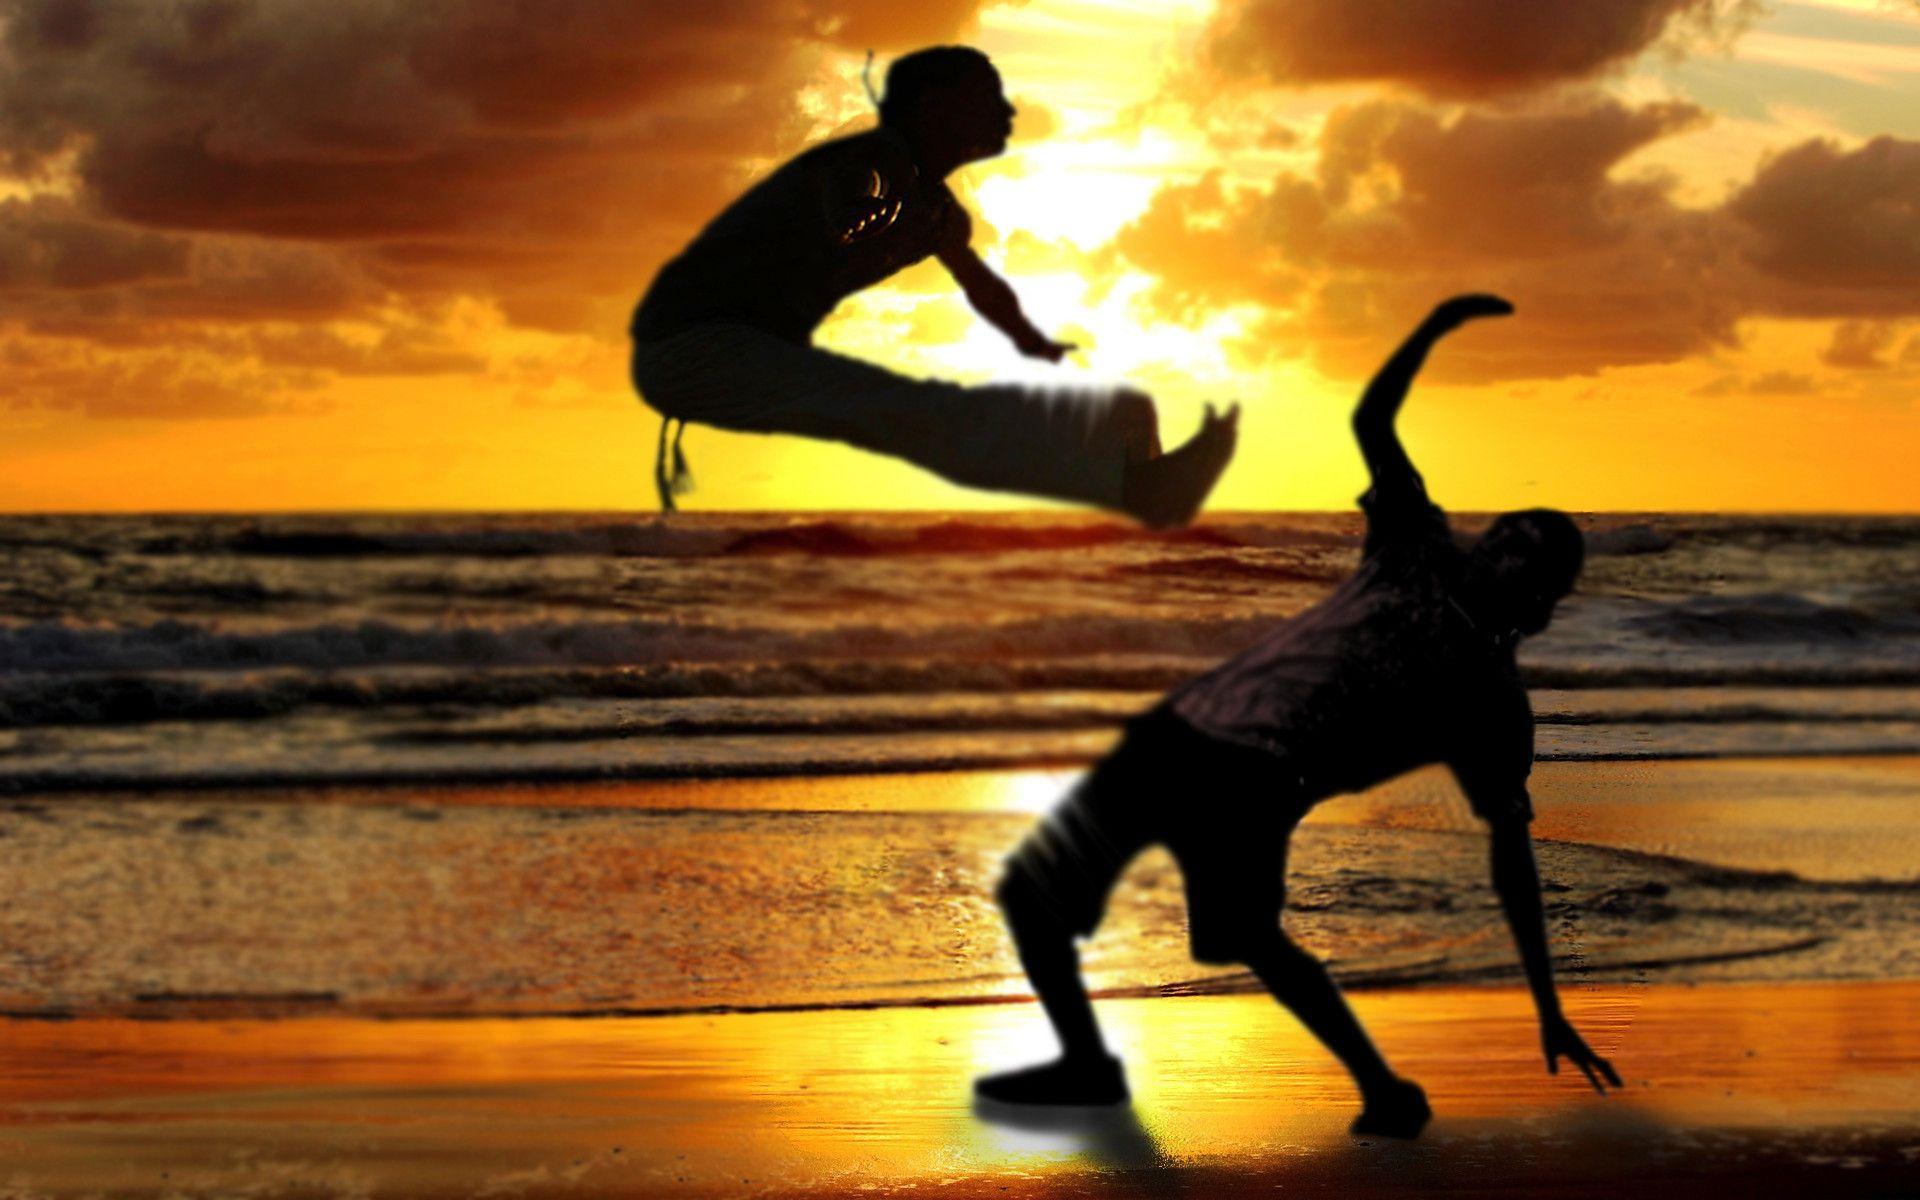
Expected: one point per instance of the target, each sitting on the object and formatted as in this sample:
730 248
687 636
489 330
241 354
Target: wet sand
1774 1090
1821 817
631 899
1765 1089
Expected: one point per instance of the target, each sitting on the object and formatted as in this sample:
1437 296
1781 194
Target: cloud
1860 345
1767 383
1449 48
1781 383
1539 202
164 382
1508 185
279 160
1837 231
1407 206
1208 247
46 242
111 282
494 120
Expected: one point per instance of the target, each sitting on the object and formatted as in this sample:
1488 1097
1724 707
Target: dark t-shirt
839 218
1387 674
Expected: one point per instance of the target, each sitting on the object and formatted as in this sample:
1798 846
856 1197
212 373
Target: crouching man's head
1521 567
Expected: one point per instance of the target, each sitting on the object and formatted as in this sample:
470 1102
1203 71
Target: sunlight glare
1033 791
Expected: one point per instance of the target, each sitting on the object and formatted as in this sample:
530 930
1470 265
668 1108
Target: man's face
979 116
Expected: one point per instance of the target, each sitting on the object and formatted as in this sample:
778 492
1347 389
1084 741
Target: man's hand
1558 1039
1046 348
1450 315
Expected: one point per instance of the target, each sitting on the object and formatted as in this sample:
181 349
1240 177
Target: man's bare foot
1079 1082
1398 1110
1167 491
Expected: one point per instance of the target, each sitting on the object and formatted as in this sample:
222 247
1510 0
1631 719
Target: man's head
947 100
1523 564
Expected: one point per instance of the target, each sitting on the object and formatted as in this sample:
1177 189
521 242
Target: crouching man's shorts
1224 811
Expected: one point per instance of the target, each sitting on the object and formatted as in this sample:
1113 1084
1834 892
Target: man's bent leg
1394 1107
1085 1072
1052 964
1055 889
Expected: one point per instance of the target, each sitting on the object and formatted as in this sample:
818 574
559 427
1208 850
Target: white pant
1063 445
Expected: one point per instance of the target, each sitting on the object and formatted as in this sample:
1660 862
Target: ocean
193 651
182 697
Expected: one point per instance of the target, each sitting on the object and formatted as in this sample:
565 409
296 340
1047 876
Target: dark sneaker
1398 1110
1082 1083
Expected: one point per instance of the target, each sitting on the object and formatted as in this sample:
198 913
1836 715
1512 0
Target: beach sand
1774 1090
349 913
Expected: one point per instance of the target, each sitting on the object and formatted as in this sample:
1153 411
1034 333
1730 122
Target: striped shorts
1062 445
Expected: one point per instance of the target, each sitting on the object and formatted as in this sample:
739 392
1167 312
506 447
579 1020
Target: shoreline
1770 1088
724 758
1744 812
623 900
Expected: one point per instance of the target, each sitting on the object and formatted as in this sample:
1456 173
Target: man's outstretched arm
1517 881
1373 420
993 298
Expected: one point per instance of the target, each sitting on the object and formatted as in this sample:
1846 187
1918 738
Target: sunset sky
278 254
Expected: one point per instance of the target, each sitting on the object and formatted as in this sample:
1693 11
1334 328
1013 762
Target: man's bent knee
1029 912
1019 898
1274 951
1224 948
1255 947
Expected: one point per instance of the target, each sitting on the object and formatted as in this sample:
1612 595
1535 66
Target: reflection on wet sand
1791 1085
1111 1139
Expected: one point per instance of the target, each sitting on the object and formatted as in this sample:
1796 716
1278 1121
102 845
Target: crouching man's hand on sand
1558 1040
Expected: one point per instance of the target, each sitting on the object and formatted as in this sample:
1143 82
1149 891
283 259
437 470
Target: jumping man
723 334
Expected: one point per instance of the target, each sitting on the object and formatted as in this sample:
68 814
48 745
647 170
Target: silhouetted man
723 334
1409 662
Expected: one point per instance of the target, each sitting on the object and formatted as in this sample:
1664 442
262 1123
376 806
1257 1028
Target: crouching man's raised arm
1517 881
1373 419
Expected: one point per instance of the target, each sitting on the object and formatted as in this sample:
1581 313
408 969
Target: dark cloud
364 119
1860 345
367 118
1782 383
211 278
48 243
276 160
1767 383
1406 205
410 343
1838 231
162 382
1507 185
1448 48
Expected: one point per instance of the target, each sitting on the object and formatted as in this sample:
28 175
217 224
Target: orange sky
268 254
